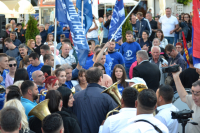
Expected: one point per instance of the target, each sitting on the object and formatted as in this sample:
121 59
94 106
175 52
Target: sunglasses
10 65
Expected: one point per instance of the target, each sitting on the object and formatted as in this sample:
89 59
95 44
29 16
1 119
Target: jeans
176 38
170 40
127 72
95 39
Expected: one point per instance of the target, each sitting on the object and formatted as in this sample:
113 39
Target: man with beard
129 50
116 57
29 96
23 50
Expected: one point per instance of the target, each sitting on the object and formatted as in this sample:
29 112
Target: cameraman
193 101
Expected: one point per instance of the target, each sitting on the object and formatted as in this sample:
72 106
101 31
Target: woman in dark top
186 27
144 40
55 106
68 100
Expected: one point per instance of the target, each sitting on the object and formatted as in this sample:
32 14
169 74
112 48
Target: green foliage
23 24
31 30
184 2
126 26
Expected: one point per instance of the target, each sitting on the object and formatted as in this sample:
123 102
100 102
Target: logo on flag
117 18
66 13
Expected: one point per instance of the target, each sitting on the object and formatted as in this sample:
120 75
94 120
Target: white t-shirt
94 33
168 24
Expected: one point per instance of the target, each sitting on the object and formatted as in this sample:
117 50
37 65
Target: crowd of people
76 101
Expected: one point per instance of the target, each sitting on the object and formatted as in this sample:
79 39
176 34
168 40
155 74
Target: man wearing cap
20 33
135 80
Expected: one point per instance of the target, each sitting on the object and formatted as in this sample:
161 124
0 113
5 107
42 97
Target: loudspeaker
2 25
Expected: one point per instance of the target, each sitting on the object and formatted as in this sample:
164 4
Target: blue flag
117 18
66 13
87 13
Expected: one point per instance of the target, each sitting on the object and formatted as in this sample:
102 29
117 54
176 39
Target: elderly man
106 81
17 42
38 44
23 51
146 70
43 33
92 101
156 59
193 101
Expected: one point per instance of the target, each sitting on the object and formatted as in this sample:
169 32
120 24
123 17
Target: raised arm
179 87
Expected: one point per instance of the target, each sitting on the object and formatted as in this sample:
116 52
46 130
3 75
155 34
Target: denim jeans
95 39
176 38
170 40
127 72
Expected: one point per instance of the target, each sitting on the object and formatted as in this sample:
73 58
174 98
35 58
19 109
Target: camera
184 114
170 69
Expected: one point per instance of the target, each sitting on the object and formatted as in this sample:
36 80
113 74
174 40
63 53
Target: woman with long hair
119 74
25 62
31 44
21 74
160 36
24 123
82 81
55 105
49 38
12 69
61 75
186 27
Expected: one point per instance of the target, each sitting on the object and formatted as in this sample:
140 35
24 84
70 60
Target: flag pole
82 13
123 22
55 43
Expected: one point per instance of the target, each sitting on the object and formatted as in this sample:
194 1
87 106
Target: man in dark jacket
43 33
59 30
91 105
20 33
146 70
142 24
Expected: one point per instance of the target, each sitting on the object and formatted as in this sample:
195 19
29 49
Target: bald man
106 81
38 78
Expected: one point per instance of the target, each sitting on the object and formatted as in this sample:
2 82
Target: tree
126 26
32 29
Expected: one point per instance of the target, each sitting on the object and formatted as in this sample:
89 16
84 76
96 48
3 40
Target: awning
18 6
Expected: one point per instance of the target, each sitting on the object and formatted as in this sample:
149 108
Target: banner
117 18
66 13
185 48
196 33
87 13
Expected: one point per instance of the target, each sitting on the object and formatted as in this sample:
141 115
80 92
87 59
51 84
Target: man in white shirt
65 57
93 32
115 123
193 101
145 122
45 49
165 107
169 25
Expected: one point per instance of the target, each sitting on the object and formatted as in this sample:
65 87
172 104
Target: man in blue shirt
29 96
3 72
34 64
118 45
116 57
129 50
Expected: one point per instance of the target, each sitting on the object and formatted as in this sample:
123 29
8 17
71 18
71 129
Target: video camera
184 114
170 69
